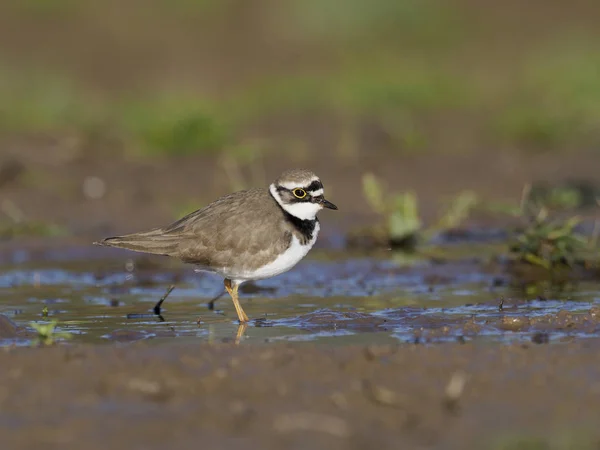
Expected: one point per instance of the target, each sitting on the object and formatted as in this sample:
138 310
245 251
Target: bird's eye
299 193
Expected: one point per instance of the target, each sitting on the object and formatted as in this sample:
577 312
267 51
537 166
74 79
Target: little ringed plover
248 235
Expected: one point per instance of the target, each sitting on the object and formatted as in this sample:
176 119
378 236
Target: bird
244 236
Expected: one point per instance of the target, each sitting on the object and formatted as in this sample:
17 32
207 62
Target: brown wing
242 230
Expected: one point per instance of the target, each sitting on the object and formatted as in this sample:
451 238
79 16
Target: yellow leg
233 291
240 332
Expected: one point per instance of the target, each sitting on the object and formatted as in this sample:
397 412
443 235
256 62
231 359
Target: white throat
302 211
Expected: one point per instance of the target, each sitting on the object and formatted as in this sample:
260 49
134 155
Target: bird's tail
154 241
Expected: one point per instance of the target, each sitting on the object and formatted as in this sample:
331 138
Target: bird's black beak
327 204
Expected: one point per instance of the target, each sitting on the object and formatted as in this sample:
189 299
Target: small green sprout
47 334
402 224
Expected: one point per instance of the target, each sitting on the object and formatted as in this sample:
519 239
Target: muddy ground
351 349
448 396
349 353
533 394
142 194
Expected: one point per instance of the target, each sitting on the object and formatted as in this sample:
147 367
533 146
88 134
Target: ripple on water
352 300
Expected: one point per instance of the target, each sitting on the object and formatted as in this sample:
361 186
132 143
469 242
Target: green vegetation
548 243
47 333
408 69
173 125
544 241
48 102
11 230
538 240
184 123
401 225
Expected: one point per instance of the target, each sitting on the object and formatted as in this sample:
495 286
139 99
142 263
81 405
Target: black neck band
305 227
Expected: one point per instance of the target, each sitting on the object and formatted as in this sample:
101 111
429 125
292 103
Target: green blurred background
126 113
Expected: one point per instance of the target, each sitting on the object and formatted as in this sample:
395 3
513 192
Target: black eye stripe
315 186
306 198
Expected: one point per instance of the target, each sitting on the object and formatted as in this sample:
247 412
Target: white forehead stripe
293 185
316 193
289 185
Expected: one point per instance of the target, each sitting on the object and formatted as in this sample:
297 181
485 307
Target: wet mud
461 295
448 396
450 349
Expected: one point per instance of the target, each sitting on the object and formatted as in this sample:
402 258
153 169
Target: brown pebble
382 395
149 389
595 313
513 323
454 390
307 421
339 400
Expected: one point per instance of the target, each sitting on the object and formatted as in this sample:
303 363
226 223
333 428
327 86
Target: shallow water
329 297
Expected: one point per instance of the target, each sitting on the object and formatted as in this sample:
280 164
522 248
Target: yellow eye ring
299 193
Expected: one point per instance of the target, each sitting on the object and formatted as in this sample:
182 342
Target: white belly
283 263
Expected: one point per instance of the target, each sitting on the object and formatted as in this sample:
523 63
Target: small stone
595 312
513 323
456 385
383 395
144 386
339 400
151 390
306 421
130 265
94 187
454 390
